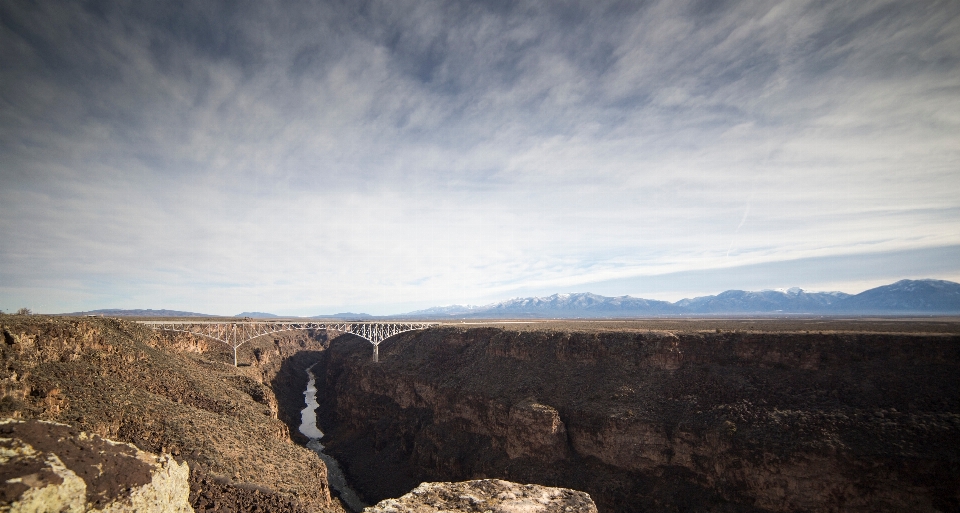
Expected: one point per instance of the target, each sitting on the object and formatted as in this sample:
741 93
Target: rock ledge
487 496
45 466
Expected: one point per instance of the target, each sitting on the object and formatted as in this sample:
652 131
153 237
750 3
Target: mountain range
905 297
119 312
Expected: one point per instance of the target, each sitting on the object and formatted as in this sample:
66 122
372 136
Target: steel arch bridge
238 333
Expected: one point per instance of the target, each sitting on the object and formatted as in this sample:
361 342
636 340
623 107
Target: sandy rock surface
487 496
45 466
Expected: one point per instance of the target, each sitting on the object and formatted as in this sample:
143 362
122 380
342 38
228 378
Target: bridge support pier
376 353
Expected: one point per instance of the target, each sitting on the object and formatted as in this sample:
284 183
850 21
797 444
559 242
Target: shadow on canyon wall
681 420
288 384
695 421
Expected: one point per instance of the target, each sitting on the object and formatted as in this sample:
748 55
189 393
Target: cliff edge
656 420
487 495
176 395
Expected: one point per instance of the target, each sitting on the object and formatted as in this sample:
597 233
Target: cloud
294 156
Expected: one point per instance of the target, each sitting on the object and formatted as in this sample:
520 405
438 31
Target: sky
302 158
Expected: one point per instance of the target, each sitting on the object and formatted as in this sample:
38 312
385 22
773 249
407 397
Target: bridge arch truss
237 333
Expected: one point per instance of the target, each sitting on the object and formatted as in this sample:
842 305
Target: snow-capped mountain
903 297
906 296
794 300
443 311
579 305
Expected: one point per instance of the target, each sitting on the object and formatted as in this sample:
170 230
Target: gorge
645 419
308 428
708 415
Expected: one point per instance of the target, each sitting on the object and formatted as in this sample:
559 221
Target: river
308 426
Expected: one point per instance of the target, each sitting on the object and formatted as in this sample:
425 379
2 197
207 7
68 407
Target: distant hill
114 312
557 305
344 315
444 311
581 305
906 297
793 300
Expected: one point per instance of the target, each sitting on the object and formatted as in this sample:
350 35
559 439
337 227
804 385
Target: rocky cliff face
176 395
659 420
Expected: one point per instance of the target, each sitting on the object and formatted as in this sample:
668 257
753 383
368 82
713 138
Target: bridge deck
237 333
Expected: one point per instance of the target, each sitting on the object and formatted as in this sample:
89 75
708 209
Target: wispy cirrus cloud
382 155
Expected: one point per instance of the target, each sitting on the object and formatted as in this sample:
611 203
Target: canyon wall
178 395
696 421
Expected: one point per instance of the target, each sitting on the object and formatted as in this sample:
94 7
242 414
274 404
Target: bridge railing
237 333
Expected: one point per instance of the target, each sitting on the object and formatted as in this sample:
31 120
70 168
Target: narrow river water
308 426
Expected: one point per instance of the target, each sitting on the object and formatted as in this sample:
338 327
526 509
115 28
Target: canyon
710 415
177 397
687 419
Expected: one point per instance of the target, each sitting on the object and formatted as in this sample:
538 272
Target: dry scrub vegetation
176 395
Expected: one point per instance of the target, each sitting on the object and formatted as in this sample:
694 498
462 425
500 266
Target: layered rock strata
695 421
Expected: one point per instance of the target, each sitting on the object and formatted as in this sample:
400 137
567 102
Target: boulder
487 496
535 430
45 466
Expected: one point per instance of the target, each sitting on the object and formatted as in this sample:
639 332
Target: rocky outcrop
754 421
51 467
487 495
535 430
178 395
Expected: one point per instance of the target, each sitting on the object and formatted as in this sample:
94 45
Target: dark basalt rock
690 420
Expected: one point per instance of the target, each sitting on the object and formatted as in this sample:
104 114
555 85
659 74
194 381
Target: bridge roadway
237 333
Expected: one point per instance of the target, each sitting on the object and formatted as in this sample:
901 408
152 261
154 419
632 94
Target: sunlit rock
46 466
487 495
